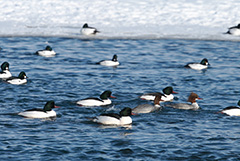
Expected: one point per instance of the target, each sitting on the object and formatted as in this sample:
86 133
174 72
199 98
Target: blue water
146 66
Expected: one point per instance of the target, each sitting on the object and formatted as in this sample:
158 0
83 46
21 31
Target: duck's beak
56 106
199 98
112 97
174 92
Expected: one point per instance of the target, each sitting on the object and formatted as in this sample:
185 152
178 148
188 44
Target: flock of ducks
123 118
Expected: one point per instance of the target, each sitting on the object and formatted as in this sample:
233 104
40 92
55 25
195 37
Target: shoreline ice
121 19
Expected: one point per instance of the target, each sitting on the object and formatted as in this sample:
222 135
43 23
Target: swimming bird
192 99
147 108
232 110
198 66
46 112
21 79
235 30
123 118
47 52
87 30
110 63
5 73
167 95
92 101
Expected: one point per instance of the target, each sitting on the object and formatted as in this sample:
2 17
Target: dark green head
168 90
5 66
239 103
22 75
48 48
204 62
106 95
85 25
114 58
126 112
49 106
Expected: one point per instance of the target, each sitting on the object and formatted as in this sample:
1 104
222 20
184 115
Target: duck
102 101
232 110
46 112
235 30
47 52
21 79
167 95
5 73
148 108
123 118
87 30
192 99
198 66
111 63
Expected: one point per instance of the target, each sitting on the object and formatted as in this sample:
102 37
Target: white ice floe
199 19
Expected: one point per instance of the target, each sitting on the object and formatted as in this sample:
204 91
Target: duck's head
168 90
106 95
48 48
193 97
49 106
204 62
127 111
22 75
5 66
114 58
85 25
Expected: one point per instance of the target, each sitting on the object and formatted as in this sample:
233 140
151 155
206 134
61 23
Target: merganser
110 63
123 118
86 30
47 52
167 95
5 73
235 30
232 110
147 108
104 100
21 79
193 106
46 112
198 66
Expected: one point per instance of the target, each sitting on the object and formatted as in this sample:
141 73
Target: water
146 66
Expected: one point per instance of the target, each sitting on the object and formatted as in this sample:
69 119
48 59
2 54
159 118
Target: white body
108 120
46 53
165 98
197 66
88 31
232 112
94 102
17 81
109 63
6 74
234 31
38 114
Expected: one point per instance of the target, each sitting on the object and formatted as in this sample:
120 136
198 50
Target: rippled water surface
146 66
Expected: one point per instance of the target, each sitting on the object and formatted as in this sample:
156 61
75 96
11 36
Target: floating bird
198 66
21 79
47 52
147 108
110 63
232 110
86 30
235 30
123 118
5 73
192 99
104 100
167 95
46 112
